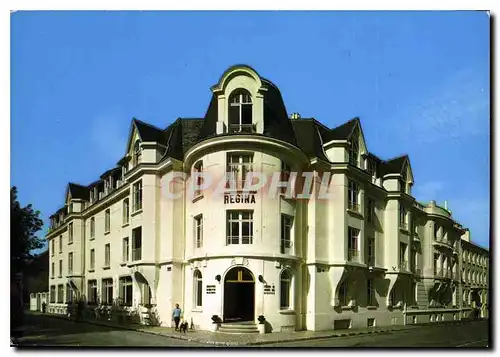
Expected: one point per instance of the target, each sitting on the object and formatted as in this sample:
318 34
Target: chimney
446 205
295 116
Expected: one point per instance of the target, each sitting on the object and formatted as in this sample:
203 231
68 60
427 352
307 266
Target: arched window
198 288
285 289
137 153
240 112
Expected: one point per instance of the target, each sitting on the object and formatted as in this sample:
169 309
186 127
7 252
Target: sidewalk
235 340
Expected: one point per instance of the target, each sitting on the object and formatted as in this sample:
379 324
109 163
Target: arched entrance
239 295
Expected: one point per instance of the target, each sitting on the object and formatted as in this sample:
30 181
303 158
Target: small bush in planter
216 319
261 319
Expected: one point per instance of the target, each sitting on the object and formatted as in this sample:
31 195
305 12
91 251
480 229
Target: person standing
176 316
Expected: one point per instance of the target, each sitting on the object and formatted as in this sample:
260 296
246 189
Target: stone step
239 327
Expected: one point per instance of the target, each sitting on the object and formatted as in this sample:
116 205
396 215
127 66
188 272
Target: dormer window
354 151
240 112
137 153
371 168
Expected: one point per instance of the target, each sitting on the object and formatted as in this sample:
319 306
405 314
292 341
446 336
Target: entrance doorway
239 295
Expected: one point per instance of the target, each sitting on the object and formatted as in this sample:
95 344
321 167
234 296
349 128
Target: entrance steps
239 327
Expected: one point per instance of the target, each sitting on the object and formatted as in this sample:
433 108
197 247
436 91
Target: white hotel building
370 255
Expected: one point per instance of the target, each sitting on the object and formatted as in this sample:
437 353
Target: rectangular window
286 232
285 176
353 151
92 259
107 291
137 189
126 209
52 294
403 263
239 227
125 250
370 293
107 253
198 289
353 193
402 217
92 291
70 233
343 300
92 228
107 221
60 294
60 268
126 291
198 227
70 263
53 269
60 243
69 294
371 251
238 166
197 172
52 246
137 244
370 210
352 243
371 168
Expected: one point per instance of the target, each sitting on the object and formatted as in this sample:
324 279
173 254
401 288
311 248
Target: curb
256 343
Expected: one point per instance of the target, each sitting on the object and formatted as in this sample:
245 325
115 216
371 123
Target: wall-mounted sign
210 289
269 289
239 198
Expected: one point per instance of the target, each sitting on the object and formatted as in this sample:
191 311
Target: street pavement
470 335
50 331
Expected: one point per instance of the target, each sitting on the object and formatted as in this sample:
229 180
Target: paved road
474 334
50 331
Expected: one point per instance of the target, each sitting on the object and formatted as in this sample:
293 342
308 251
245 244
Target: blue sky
419 81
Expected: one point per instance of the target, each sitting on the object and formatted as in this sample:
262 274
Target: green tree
24 223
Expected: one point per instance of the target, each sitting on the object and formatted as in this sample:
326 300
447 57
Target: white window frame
60 268
370 210
126 210
125 282
92 292
60 244
240 98
70 263
197 289
354 150
107 255
137 153
92 228
239 217
137 195
92 259
125 249
353 244
370 246
402 217
198 231
353 196
238 166
286 282
70 233
107 284
197 171
286 241
107 221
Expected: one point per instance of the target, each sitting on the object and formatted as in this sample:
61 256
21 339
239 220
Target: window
125 250
285 176
137 188
126 210
70 263
107 291
198 288
197 172
436 231
371 168
240 112
403 263
60 244
60 268
285 289
436 263
107 253
343 294
371 251
238 166
92 291
370 296
60 294
53 269
352 244
370 210
92 228
353 150
70 233
198 227
286 232
52 250
126 290
137 153
239 227
353 193
92 259
402 217
69 294
137 244
107 221
52 293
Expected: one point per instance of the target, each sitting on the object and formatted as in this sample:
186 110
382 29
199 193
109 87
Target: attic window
354 151
137 153
240 112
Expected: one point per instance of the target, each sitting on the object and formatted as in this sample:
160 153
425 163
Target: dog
183 326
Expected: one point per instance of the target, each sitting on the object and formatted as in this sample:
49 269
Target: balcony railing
353 206
136 254
353 255
403 225
242 128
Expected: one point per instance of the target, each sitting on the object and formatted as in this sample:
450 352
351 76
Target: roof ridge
397 157
144 123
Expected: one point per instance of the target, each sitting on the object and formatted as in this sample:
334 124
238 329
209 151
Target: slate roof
393 166
148 132
308 137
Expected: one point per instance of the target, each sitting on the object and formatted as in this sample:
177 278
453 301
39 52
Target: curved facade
333 239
